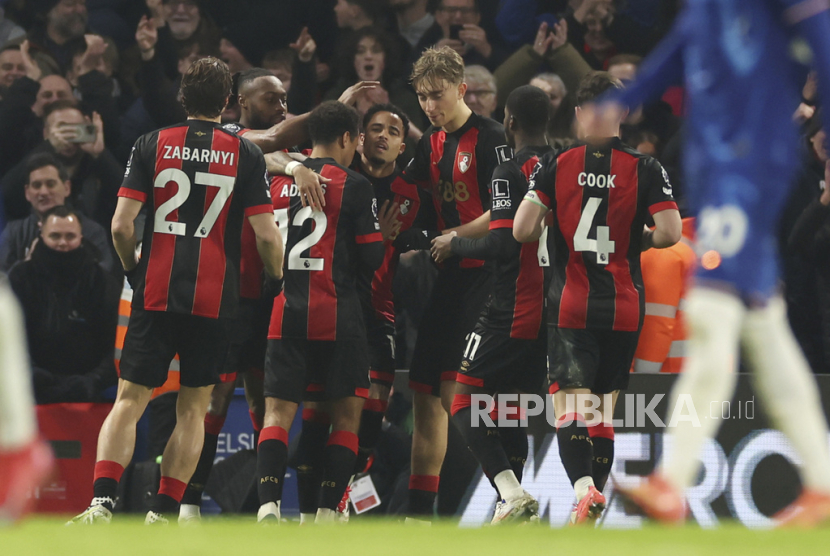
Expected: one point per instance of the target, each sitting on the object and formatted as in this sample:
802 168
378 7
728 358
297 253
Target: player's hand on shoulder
310 187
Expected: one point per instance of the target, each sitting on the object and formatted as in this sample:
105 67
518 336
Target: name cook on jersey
199 155
600 181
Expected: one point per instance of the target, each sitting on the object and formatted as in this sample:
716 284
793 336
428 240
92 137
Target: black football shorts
599 360
248 338
299 370
457 299
154 337
496 362
380 335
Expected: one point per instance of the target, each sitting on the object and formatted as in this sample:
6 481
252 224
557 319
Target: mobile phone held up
84 133
455 31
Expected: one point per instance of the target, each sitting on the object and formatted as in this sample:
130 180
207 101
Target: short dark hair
248 76
42 160
530 107
62 104
594 85
206 87
372 8
386 107
330 120
9 46
61 211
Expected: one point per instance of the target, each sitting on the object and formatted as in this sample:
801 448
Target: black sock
310 460
514 442
271 461
422 492
484 442
169 495
602 436
341 451
371 422
196 486
575 447
104 487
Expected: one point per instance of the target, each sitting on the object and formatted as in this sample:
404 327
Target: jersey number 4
295 261
163 226
603 246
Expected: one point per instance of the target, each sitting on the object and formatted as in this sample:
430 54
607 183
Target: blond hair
436 65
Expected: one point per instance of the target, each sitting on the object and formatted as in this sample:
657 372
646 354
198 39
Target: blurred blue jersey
741 151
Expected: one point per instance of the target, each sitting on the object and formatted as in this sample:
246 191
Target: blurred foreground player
600 193
201 181
506 351
741 152
317 341
25 460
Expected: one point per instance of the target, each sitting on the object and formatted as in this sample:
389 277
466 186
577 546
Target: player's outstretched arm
283 135
475 229
268 243
668 229
123 231
530 216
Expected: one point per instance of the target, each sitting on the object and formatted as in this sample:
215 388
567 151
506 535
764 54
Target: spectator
280 63
560 123
182 24
71 310
471 43
11 67
21 126
66 21
91 75
94 172
412 18
47 186
481 90
369 55
600 31
244 44
551 49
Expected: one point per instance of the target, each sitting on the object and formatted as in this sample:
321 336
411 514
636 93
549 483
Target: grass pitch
241 536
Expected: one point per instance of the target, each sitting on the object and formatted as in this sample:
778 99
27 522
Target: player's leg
145 359
116 442
272 455
25 461
371 423
310 457
340 455
602 439
784 381
286 362
715 319
182 451
254 395
220 401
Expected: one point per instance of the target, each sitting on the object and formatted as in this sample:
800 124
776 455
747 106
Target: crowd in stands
81 80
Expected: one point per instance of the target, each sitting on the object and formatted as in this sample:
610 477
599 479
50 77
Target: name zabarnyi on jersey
199 155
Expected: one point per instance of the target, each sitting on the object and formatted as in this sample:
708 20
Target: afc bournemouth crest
464 161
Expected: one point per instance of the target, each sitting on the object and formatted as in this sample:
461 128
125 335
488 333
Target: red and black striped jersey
201 183
456 169
521 272
395 188
325 252
250 263
600 197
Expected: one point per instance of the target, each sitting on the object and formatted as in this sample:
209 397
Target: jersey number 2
602 245
162 226
295 261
